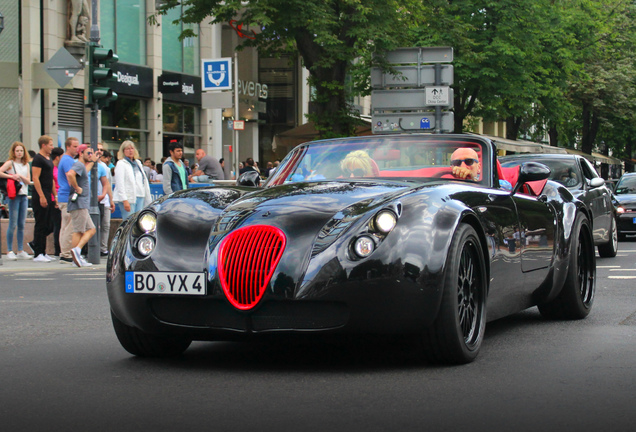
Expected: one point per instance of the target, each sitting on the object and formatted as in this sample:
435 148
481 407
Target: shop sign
180 88
132 80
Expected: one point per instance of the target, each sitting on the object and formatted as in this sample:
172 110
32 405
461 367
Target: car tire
143 344
577 295
609 249
458 331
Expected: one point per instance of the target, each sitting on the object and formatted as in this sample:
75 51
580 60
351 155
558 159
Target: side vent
247 260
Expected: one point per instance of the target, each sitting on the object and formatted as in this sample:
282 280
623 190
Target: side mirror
529 172
249 178
597 182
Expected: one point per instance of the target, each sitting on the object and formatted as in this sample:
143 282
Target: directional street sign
439 96
62 67
411 99
418 55
216 74
412 76
411 122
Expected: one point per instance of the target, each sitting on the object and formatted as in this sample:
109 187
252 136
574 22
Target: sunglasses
468 162
358 172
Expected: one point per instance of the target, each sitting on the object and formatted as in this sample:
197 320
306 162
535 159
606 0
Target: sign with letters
216 74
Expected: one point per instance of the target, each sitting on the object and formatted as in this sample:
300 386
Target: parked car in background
580 177
625 201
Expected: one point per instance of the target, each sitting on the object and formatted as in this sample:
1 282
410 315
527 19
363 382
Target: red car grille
247 260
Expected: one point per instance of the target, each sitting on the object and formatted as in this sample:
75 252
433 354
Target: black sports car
359 235
580 177
625 201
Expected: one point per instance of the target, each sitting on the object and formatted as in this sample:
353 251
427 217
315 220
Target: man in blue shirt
66 233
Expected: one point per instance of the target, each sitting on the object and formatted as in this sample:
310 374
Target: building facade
158 82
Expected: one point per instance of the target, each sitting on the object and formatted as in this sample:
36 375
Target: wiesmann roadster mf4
421 235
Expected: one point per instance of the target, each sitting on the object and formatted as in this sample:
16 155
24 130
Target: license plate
181 283
634 221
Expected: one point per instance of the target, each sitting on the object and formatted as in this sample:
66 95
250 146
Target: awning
596 157
522 146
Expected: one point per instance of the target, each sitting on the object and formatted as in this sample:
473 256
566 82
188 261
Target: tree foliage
336 39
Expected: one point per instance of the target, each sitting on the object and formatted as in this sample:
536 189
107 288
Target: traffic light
99 75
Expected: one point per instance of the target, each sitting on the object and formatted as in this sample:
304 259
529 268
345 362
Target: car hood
625 199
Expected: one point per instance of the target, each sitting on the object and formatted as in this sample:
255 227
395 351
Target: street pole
235 135
94 242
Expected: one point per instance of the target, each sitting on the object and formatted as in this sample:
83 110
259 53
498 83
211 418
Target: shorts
81 221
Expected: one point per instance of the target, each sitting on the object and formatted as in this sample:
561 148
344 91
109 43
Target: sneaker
76 253
50 257
11 256
24 255
85 263
104 253
41 258
64 260
30 245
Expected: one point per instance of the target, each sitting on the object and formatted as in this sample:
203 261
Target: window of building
179 56
123 28
125 119
179 123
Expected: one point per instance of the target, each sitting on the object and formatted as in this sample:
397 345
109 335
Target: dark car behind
625 201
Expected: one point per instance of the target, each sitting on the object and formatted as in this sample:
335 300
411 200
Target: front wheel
577 295
458 331
143 344
609 249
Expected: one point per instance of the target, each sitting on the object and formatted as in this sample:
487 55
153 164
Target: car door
598 199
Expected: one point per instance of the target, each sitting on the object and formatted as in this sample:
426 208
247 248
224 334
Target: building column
30 98
155 105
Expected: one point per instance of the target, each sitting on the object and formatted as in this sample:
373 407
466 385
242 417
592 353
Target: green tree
336 39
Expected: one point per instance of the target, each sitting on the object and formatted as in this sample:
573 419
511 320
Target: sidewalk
24 265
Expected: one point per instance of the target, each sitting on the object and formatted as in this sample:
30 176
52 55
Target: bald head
465 164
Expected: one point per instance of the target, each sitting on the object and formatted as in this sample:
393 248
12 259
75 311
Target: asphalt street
62 368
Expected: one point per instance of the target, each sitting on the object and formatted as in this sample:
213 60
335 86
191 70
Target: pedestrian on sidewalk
56 156
66 233
17 168
104 197
132 190
43 200
79 203
175 176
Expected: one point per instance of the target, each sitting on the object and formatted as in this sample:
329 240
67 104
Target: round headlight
364 246
147 222
146 245
385 221
620 210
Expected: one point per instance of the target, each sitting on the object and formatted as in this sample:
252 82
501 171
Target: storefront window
179 56
179 123
123 27
123 120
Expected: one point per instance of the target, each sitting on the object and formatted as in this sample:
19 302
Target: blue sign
216 74
425 123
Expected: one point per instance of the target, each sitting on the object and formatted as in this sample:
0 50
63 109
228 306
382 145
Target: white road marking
623 270
608 266
38 279
621 277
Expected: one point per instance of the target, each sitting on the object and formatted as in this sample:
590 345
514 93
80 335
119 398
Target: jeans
17 217
104 226
134 207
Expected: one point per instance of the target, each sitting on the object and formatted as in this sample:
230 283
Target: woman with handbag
132 191
17 175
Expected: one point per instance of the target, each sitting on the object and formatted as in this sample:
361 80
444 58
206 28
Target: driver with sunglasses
465 164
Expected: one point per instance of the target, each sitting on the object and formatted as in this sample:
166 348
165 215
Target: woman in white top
17 168
132 191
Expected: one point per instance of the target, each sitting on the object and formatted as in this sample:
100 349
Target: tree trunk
513 124
553 134
331 117
590 128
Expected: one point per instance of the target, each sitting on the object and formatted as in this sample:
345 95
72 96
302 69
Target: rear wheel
577 295
458 331
143 344
609 249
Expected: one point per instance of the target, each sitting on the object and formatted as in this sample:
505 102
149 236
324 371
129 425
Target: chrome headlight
364 246
385 221
146 245
147 222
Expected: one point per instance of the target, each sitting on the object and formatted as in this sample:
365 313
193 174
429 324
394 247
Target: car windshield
563 171
627 185
412 157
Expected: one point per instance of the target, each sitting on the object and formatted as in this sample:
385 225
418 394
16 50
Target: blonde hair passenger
358 160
